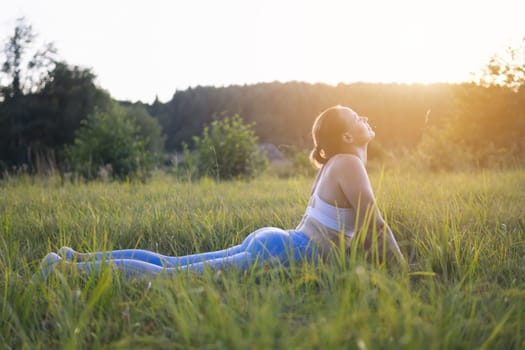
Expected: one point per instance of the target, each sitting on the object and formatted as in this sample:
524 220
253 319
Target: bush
301 163
228 149
440 150
110 144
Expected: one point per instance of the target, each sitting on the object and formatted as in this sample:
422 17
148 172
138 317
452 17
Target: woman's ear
347 137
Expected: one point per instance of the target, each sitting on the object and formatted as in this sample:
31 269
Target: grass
464 233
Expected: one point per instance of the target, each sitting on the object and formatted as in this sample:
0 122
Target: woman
342 203
342 199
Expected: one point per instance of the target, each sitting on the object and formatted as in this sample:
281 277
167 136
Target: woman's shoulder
344 160
345 165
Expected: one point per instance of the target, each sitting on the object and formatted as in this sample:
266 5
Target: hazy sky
140 49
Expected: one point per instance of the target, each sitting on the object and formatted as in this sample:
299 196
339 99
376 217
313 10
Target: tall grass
463 234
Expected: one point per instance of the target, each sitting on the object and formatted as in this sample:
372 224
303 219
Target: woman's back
327 186
329 212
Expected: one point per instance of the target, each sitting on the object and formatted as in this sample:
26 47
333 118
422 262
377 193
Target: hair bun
316 157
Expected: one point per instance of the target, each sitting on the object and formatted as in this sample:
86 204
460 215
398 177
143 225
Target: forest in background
44 101
441 121
284 112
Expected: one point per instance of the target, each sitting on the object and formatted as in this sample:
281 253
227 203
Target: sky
140 50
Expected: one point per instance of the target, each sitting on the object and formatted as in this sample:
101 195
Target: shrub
110 142
439 150
228 149
301 163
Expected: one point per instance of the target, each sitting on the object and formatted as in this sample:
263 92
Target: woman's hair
326 131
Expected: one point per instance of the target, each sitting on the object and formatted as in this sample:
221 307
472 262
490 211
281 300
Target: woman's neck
360 152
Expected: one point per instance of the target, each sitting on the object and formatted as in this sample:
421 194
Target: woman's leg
136 268
147 256
155 258
267 244
46 266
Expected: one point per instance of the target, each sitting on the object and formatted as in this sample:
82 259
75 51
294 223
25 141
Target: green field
464 234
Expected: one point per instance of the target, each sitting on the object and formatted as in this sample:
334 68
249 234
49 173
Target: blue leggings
266 244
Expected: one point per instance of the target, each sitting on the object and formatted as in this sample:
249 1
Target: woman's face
357 126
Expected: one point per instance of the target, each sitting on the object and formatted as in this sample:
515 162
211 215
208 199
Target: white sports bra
337 219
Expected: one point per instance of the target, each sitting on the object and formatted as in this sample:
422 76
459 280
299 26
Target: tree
68 97
488 126
42 100
20 76
24 76
506 69
36 125
496 112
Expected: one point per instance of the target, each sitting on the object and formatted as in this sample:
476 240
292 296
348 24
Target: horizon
296 82
142 51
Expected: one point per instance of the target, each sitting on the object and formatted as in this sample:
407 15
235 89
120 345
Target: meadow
463 233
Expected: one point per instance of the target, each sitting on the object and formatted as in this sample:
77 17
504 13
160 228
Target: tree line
44 102
442 121
284 112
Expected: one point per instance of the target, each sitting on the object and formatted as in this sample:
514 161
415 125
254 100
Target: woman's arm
353 180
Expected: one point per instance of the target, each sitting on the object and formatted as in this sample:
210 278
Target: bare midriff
324 238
